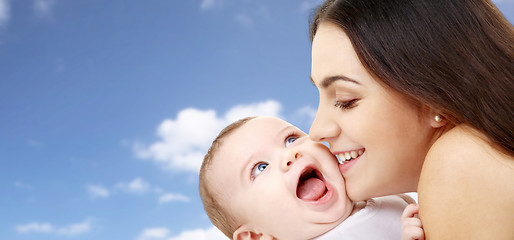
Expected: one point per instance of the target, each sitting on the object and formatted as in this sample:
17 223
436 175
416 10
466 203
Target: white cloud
34 143
200 234
21 185
244 20
4 12
303 118
43 8
137 186
34 227
268 108
96 191
263 12
74 229
162 233
208 4
307 111
172 197
154 233
48 228
184 140
60 65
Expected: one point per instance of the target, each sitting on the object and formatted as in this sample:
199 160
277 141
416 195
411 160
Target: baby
263 178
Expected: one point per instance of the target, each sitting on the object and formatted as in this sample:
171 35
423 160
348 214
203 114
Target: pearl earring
438 118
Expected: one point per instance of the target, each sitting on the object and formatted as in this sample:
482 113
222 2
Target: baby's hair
219 215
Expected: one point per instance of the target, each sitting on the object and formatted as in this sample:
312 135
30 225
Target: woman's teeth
348 156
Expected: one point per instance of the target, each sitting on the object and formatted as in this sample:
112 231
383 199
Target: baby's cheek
340 168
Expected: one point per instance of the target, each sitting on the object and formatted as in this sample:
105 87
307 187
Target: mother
418 95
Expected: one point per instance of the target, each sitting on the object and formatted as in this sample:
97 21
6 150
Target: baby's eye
290 140
258 168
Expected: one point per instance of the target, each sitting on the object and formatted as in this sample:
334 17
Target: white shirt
379 219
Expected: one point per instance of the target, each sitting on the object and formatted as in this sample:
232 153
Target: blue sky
108 106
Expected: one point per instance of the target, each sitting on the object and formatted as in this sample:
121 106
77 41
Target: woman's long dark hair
455 56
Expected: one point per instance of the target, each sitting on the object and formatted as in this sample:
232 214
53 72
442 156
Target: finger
410 210
413 233
411 222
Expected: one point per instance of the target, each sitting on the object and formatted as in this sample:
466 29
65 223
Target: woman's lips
347 156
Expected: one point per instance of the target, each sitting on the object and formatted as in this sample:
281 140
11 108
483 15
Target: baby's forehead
261 125
235 147
258 132
248 138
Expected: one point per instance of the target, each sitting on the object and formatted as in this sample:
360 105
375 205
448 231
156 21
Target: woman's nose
323 128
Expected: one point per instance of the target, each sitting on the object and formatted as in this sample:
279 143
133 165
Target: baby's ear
247 233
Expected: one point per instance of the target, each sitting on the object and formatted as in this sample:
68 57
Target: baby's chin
311 230
330 219
306 226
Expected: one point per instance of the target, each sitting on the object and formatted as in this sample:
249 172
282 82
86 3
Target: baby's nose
290 157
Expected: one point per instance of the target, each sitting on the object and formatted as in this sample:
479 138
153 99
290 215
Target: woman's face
383 134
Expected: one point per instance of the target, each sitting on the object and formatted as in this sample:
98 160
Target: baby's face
275 179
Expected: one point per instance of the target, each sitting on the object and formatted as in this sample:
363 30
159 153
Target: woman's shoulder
463 145
463 142
466 188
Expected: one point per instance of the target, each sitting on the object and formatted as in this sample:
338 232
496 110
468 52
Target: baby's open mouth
311 185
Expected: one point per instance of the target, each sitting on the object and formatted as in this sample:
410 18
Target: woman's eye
258 168
346 104
290 140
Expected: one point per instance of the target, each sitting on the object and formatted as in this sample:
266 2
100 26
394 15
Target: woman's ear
438 121
247 233
434 118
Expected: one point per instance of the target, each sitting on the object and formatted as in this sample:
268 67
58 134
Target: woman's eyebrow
326 82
